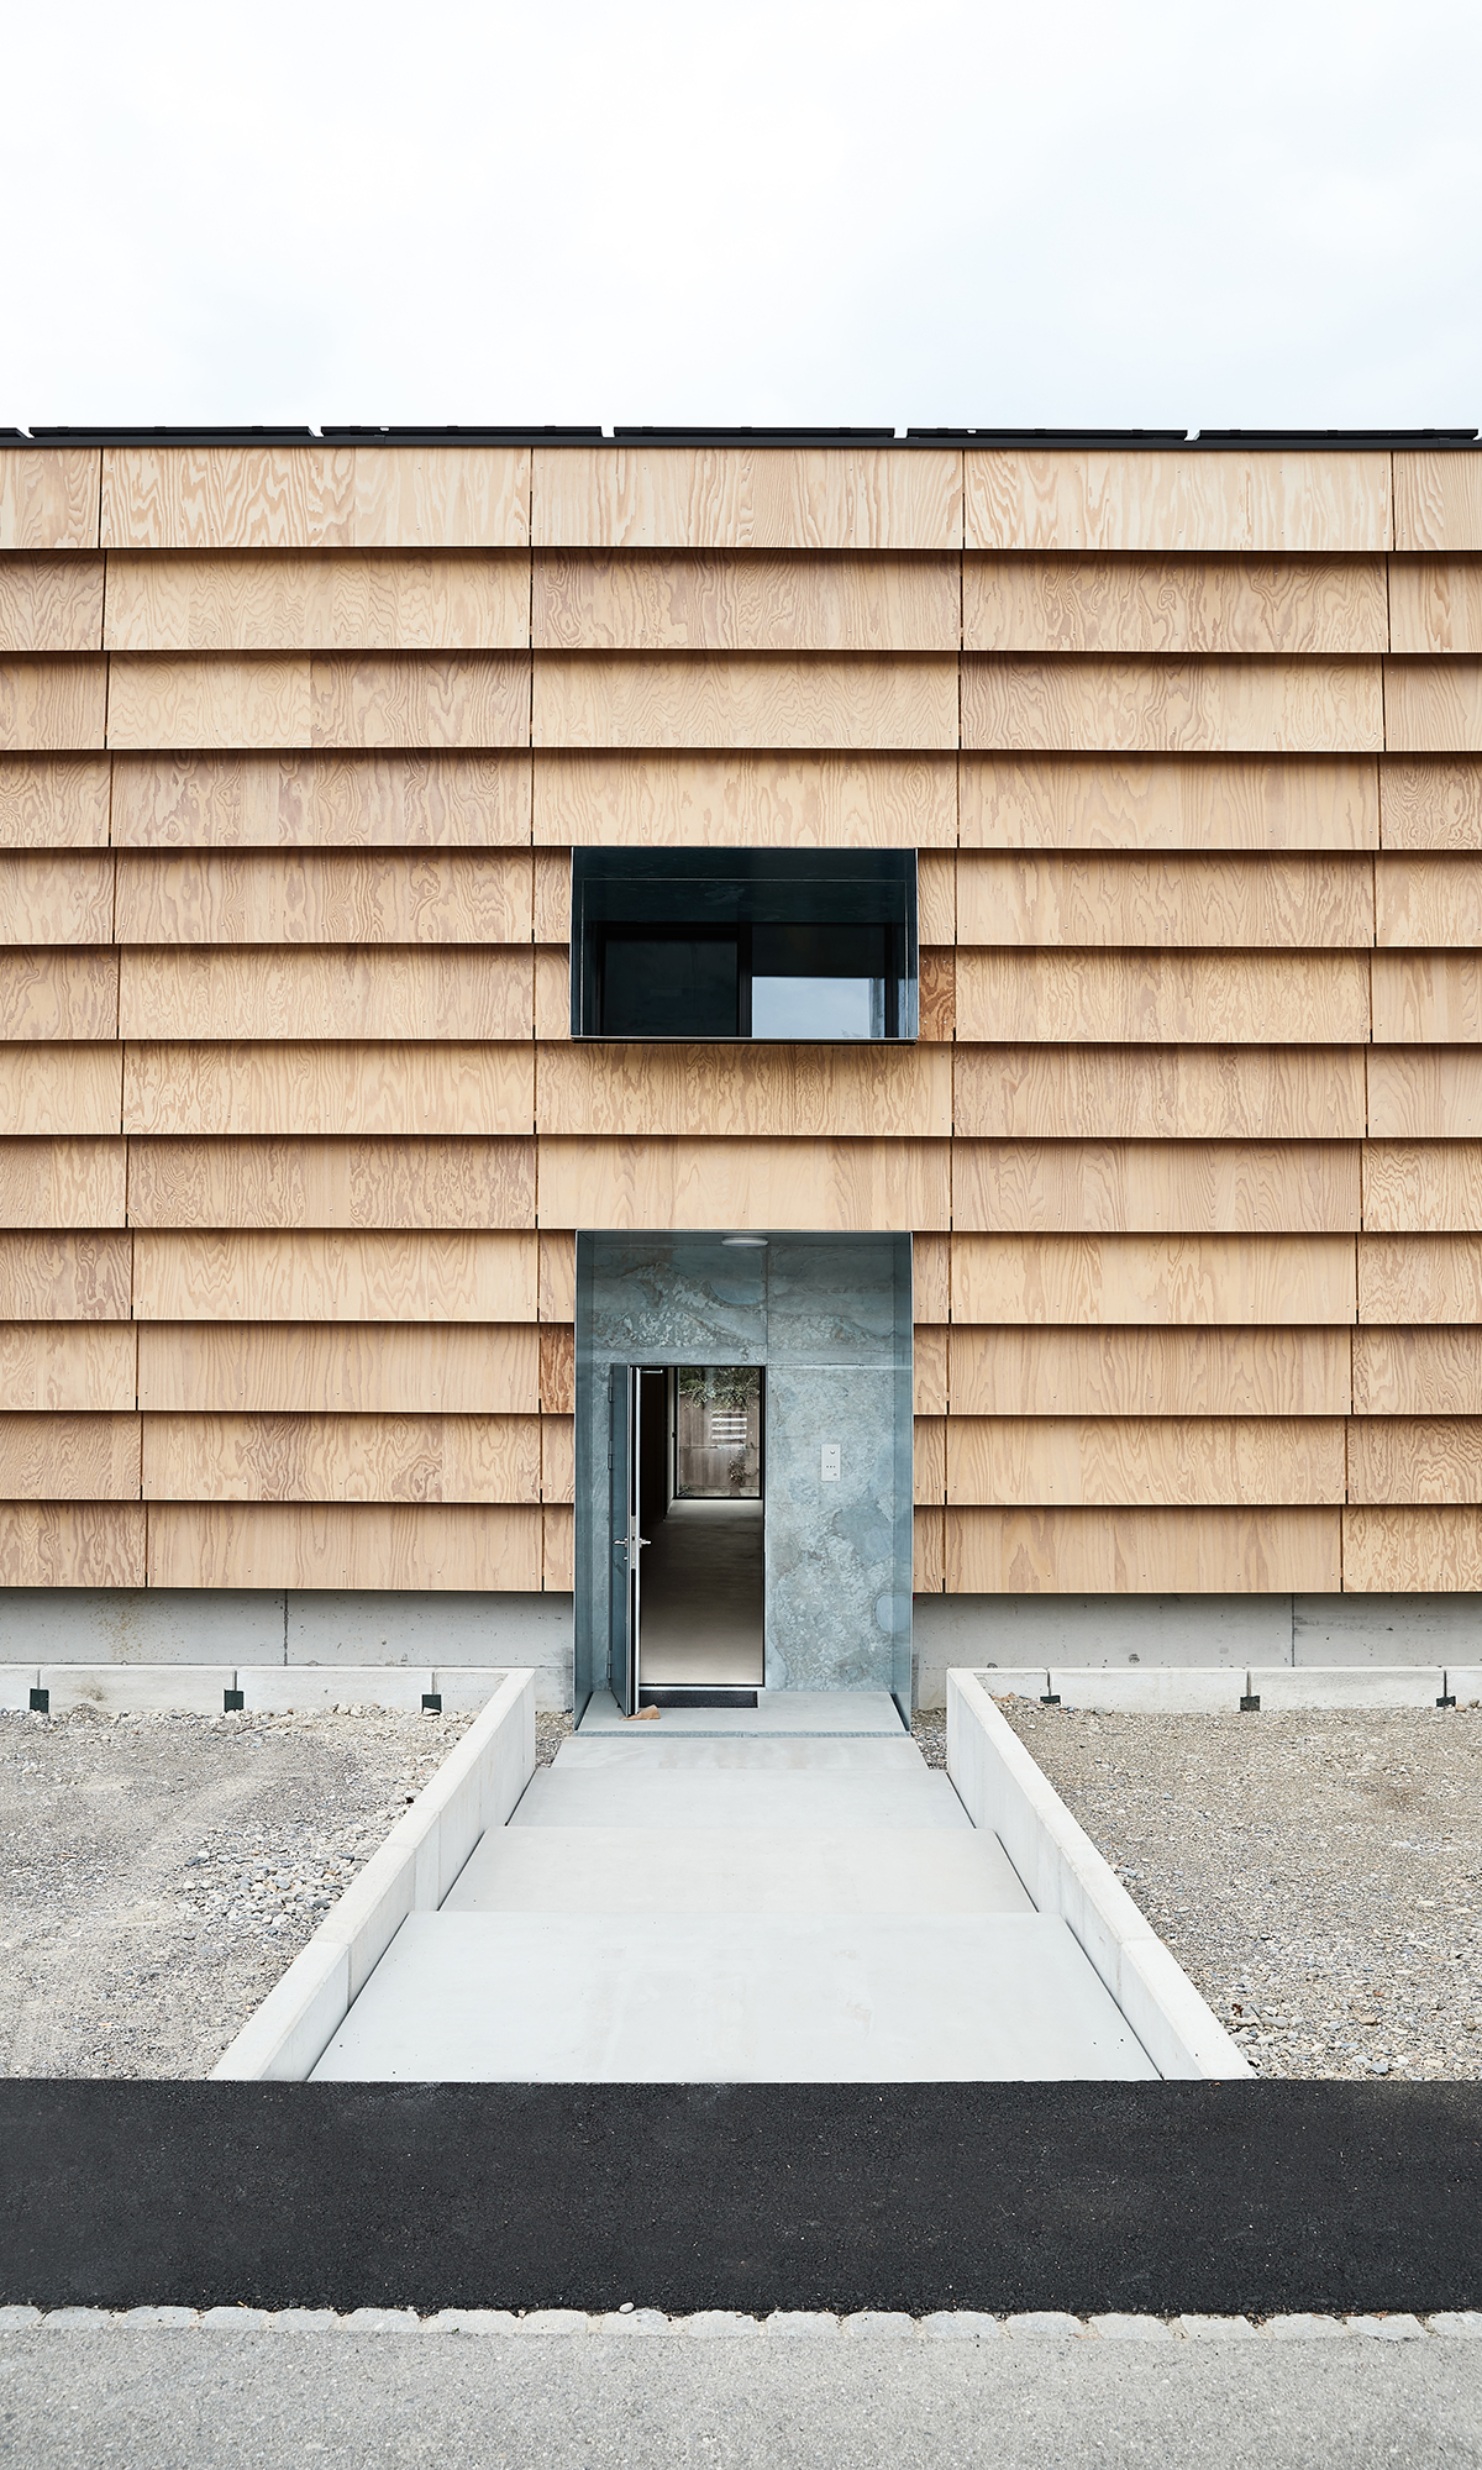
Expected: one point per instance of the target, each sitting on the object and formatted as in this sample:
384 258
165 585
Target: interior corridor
701 1597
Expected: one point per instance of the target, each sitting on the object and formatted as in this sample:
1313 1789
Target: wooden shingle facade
295 743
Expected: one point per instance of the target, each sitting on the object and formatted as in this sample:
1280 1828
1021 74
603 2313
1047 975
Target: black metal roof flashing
1249 441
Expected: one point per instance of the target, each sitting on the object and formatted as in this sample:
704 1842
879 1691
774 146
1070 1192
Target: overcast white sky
677 210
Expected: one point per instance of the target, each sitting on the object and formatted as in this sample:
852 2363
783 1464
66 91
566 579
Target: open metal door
627 1543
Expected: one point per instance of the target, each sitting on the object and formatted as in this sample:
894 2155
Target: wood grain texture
325 1089
557 1459
831 1184
557 1370
1141 1462
329 1183
1284 707
1412 1551
67 1367
929 1460
69 1089
347 1275
1173 1372
1414 1278
315 497
936 895
931 1277
937 996
929 1552
552 973
664 701
1422 1187
1428 998
1417 1458
359 993
557 1276
751 603
929 1371
363 801
338 1369
322 896
552 896
396 1547
1425 1093
437 700
51 604
1089 1280
1416 1371
340 1458
1174 604
66 898
1438 501
1115 499
1168 802
1163 998
1435 605
1143 1551
72 1276
1158 1187
69 1457
72 1544
1430 804
1229 1093
52 706
1429 901
806 1092
48 497
58 1183
728 497
1433 707
746 801
1165 901
298 601
56 994
54 801
557 1549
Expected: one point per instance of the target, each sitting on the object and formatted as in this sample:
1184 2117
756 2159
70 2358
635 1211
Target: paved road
138 2400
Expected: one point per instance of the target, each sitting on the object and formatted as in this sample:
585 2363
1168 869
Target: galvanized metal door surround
829 1317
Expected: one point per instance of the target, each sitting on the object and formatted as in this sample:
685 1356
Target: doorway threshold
843 1714
682 1694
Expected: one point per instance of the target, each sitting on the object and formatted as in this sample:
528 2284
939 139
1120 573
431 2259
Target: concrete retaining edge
1156 1689
1004 1791
475 1788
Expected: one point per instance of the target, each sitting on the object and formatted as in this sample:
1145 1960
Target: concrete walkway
738 1903
386 2400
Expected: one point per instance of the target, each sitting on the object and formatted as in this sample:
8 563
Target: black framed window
737 943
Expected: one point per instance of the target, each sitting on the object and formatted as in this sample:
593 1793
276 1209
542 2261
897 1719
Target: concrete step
776 1711
480 1997
646 1753
822 1801
724 1871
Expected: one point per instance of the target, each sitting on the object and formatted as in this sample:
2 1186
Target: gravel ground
159 1871
1318 1876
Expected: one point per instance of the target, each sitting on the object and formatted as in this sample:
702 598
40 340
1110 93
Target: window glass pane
670 986
817 1007
718 1433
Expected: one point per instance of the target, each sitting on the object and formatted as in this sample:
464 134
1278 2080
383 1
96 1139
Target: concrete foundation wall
1110 1633
86 1625
1225 1633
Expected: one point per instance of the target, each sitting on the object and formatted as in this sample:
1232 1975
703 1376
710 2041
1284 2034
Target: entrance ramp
751 1905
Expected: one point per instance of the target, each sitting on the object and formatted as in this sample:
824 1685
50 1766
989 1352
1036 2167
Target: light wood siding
49 498
295 745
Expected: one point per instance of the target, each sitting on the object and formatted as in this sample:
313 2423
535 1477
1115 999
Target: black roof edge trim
552 435
1047 437
238 436
1376 439
788 436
